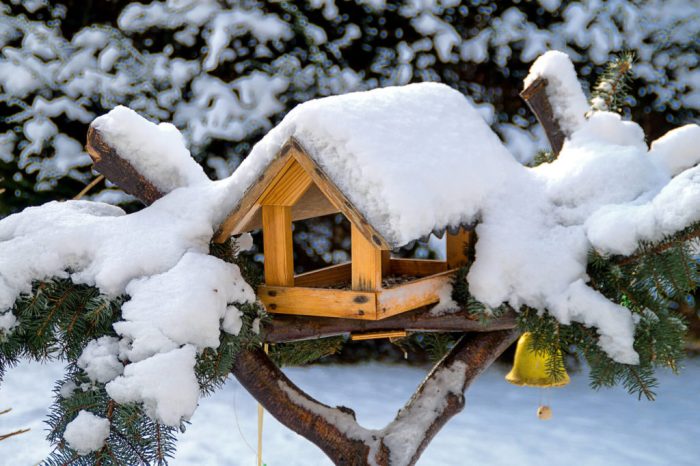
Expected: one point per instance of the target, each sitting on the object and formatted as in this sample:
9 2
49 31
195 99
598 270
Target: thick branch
469 358
335 430
296 410
118 170
284 328
535 95
659 248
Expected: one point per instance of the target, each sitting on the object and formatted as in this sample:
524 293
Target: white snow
165 383
162 316
412 159
86 433
99 360
156 151
678 150
404 156
568 102
498 426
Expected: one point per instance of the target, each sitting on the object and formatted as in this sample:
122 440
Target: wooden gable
320 197
294 187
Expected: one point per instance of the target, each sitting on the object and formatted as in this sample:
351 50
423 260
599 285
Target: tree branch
335 430
118 170
285 328
535 95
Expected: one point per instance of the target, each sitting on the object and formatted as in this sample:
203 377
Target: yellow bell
530 368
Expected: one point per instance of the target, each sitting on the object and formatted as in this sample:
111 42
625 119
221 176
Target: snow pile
156 151
99 360
86 433
165 383
161 317
568 102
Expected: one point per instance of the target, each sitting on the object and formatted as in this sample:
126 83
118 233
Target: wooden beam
288 186
311 205
319 302
376 335
327 276
386 262
412 295
456 248
277 245
416 267
366 262
336 196
248 206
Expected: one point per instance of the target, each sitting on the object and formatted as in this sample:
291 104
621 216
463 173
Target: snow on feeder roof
403 158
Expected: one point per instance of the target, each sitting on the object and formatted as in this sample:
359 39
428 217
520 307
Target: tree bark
285 328
335 430
535 95
118 170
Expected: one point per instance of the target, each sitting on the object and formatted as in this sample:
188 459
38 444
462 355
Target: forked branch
335 430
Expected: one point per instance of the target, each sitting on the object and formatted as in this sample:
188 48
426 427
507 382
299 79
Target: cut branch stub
535 95
118 170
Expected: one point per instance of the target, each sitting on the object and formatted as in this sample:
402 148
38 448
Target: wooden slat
277 245
375 335
386 262
412 295
456 248
287 187
366 262
336 196
326 276
249 206
311 205
416 267
319 302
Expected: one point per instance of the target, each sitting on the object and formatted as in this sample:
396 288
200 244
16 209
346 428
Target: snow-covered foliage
87 432
179 294
253 66
535 228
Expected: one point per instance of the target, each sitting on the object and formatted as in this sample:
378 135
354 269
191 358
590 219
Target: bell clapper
544 410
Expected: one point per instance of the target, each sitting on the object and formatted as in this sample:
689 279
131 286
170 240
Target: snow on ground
497 427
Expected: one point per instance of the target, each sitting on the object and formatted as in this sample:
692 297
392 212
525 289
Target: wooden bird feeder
294 187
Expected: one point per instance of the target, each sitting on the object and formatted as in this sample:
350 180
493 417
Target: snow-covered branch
336 431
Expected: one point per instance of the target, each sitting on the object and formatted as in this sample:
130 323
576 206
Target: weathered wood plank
412 295
287 187
118 170
347 304
456 247
416 267
277 245
366 262
327 276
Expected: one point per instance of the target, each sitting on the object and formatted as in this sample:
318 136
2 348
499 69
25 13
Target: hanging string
261 413
87 188
238 425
